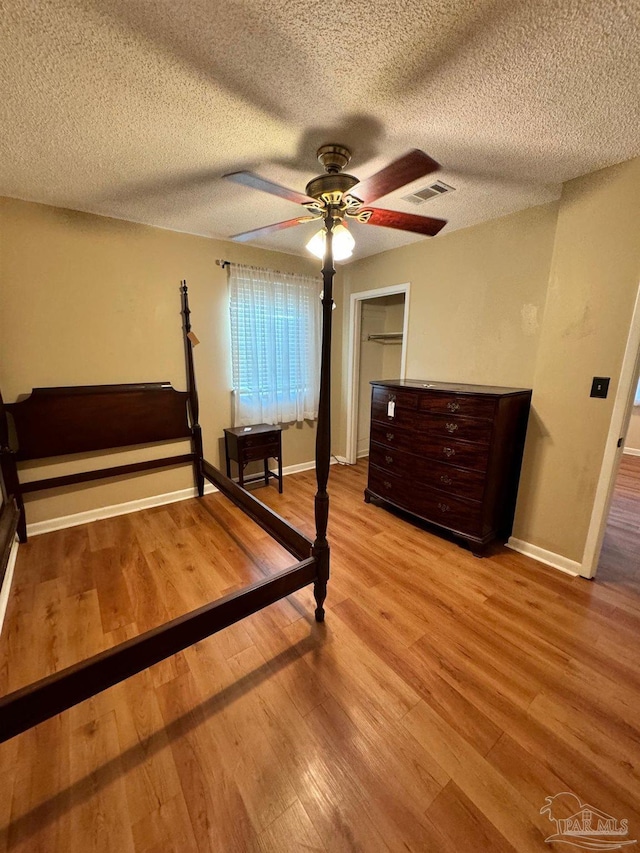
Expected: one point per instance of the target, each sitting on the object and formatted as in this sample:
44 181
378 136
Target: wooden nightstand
248 444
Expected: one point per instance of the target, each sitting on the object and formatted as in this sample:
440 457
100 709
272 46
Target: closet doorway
377 350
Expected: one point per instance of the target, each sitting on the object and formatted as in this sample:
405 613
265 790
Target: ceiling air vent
420 196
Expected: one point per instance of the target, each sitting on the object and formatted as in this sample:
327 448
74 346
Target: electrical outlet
600 386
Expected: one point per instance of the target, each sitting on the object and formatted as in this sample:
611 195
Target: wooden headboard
60 421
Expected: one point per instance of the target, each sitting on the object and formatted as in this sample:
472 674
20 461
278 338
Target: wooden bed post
323 433
196 441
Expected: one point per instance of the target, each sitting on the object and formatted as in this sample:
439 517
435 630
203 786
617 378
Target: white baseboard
557 561
77 518
6 583
341 460
631 451
362 453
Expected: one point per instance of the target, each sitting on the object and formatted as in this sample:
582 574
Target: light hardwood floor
442 701
619 564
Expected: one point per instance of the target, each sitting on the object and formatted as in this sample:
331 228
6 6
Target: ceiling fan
336 197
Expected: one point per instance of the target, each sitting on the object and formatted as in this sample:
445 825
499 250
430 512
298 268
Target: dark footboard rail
43 699
285 534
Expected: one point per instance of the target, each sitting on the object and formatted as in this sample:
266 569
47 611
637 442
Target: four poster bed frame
60 421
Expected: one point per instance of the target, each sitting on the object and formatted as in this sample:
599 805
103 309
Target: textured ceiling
135 108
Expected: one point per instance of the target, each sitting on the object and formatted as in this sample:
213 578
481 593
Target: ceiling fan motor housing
333 157
331 183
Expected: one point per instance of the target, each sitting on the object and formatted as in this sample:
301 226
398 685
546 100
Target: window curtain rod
222 263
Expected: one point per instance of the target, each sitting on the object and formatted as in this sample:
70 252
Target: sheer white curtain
275 345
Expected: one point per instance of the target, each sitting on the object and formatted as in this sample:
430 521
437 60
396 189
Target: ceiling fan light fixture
342 244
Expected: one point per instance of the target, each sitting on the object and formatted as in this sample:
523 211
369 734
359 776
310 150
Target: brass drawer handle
388 459
453 406
451 427
392 398
387 484
448 451
443 507
389 436
446 480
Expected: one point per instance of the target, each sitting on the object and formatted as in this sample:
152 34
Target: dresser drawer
394 436
402 399
389 405
452 426
457 404
437 475
397 462
461 516
463 454
403 416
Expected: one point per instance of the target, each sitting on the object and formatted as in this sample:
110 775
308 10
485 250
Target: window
275 345
636 401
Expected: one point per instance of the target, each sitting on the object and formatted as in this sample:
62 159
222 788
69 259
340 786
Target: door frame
622 408
353 367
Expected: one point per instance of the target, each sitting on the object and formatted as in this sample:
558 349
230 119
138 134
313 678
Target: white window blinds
275 345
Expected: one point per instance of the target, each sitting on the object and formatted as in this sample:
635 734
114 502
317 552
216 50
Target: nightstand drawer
252 451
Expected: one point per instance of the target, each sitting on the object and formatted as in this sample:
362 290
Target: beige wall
592 290
632 441
477 299
90 300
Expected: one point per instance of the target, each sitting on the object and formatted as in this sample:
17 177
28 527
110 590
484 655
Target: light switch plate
600 386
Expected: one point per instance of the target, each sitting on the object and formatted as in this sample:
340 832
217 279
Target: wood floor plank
292 832
101 822
443 699
462 826
492 795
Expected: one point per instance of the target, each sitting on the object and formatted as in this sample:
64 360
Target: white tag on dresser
391 409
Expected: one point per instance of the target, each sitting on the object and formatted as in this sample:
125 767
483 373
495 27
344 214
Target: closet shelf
386 337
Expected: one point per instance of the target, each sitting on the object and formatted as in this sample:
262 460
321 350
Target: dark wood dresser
449 454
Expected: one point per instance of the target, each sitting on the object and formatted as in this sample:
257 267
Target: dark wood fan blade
405 221
248 179
270 229
413 165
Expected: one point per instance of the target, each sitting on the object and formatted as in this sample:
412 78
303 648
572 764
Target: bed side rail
9 515
285 534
